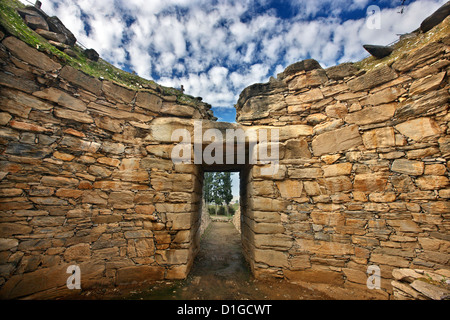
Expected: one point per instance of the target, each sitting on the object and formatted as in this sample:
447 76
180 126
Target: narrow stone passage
221 273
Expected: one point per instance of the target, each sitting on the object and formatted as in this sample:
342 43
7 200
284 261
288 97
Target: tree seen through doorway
217 190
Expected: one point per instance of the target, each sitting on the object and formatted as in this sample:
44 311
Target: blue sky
216 48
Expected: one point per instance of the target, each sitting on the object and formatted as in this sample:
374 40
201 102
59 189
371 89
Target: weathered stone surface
372 79
370 182
49 201
179 110
419 56
431 291
271 257
99 171
328 126
118 113
95 197
139 274
328 218
306 173
73 115
419 129
378 52
433 102
313 78
10 229
267 228
77 253
338 110
408 275
121 200
36 22
290 188
335 141
341 71
427 84
308 97
61 98
111 147
82 80
91 54
414 168
338 184
435 170
179 221
296 149
19 103
30 55
42 279
7 244
49 35
339 169
24 126
59 181
370 115
109 124
432 182
14 82
117 92
259 107
57 26
109 161
4 118
162 128
379 138
324 247
266 204
138 234
384 96
148 101
305 65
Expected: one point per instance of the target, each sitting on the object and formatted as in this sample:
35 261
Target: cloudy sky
216 48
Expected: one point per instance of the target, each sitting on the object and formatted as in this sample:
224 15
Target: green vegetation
13 24
406 46
217 189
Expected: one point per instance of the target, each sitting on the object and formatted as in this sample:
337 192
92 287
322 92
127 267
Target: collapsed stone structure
87 176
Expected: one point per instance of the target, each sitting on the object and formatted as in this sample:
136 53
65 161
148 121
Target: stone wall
417 284
87 179
363 176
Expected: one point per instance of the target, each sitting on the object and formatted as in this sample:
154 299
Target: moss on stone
407 46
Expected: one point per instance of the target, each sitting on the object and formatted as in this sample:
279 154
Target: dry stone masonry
84 181
87 177
364 181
